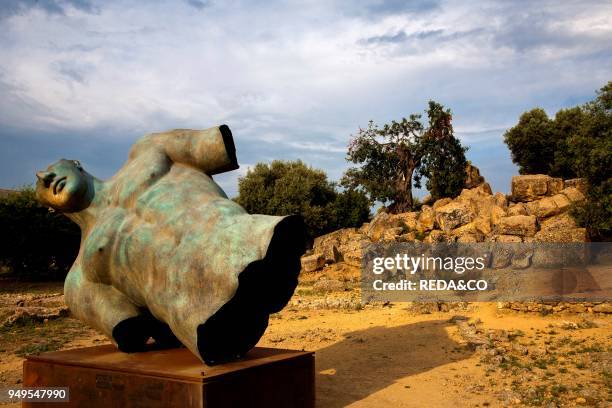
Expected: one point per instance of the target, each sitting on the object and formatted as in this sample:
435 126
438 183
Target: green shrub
35 243
292 187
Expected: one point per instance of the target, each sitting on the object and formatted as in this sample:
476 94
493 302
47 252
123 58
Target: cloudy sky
84 79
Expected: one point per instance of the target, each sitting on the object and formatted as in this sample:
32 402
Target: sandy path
386 356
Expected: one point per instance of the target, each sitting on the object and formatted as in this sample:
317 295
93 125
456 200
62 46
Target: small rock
569 326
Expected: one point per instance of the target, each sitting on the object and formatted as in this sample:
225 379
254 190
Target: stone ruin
537 210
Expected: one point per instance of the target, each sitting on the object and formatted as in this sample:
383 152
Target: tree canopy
589 148
393 158
292 187
531 142
443 163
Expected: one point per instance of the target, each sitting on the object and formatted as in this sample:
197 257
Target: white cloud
298 77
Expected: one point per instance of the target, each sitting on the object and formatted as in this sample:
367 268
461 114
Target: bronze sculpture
166 255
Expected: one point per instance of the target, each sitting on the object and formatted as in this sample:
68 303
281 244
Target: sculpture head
65 186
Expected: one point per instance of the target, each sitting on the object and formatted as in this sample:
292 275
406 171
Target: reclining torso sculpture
165 254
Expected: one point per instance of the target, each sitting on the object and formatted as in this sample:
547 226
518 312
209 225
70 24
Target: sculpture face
64 186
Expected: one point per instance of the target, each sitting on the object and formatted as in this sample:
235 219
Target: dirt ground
387 355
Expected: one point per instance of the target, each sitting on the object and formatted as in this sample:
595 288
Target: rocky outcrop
536 211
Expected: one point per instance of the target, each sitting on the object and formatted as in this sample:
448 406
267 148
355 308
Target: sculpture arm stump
211 150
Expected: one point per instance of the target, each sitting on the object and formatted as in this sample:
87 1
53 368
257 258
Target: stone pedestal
101 376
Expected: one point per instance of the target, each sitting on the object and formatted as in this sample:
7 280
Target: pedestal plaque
101 376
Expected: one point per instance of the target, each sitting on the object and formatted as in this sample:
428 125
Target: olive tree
394 158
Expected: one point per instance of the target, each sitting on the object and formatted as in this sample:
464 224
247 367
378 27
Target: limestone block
453 215
573 194
531 187
521 225
426 219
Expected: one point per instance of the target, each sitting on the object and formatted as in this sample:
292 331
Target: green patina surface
159 236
